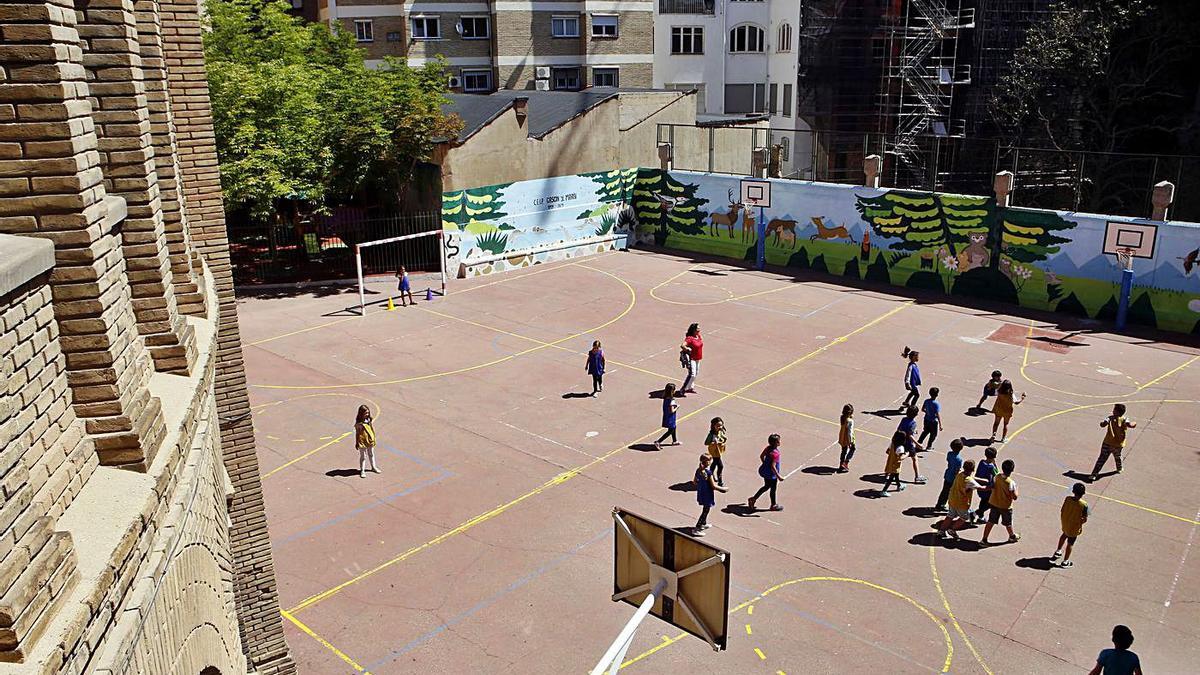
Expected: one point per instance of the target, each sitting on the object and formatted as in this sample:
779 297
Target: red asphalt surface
485 545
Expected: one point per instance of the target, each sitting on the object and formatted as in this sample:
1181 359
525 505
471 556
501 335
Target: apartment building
509 45
741 57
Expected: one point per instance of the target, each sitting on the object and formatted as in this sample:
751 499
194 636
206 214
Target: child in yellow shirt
1074 514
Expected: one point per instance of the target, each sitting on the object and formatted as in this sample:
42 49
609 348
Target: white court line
350 365
1179 571
548 440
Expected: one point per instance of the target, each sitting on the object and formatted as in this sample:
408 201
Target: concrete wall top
22 259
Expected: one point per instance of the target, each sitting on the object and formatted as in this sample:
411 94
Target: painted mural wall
512 225
955 244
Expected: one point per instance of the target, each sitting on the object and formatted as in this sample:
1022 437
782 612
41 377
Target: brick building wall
132 531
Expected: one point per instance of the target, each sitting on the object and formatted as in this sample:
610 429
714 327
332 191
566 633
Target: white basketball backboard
1137 237
756 193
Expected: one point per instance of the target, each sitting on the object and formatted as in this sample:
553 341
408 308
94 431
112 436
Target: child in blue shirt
932 423
595 367
912 378
669 408
908 427
1118 660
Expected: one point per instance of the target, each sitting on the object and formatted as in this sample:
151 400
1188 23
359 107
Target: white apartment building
741 56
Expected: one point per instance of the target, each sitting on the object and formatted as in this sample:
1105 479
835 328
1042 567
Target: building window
773 99
785 149
605 77
364 30
785 38
564 78
745 98
393 36
475 27
426 28
687 40
604 25
787 100
746 39
477 80
564 26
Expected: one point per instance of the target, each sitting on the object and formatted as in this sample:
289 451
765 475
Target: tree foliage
926 221
299 116
662 202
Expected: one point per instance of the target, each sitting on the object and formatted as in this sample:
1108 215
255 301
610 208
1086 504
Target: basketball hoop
1125 258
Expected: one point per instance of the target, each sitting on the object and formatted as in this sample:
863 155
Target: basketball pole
761 229
612 659
1126 291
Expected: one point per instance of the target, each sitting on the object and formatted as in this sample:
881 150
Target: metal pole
619 646
362 299
761 229
1123 304
442 258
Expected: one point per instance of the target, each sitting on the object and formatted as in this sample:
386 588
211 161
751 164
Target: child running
769 470
595 367
891 470
1074 514
364 440
932 422
716 448
1003 408
963 486
990 388
1114 439
705 494
1004 493
912 378
669 408
908 427
846 438
402 275
1118 660
954 464
985 475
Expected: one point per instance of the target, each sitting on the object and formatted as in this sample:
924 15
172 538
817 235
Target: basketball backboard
756 193
693 575
1137 237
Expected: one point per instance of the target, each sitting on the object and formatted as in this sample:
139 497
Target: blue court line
484 604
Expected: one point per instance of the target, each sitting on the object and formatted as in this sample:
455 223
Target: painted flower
950 262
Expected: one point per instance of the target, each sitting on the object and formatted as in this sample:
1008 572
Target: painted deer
780 225
727 219
749 225
825 232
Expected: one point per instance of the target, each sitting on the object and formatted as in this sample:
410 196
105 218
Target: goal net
378 263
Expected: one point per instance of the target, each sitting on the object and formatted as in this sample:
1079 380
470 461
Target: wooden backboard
705 592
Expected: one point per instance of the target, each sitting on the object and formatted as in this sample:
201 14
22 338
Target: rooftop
547 110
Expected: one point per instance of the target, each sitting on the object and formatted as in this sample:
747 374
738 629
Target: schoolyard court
485 545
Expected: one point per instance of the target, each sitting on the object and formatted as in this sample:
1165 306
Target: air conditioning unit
542 85
543 72
453 82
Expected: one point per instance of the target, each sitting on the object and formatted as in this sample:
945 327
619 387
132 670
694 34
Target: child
953 464
402 275
1003 408
961 489
364 440
908 427
1004 493
769 470
1114 439
669 408
985 474
989 389
595 366
891 470
912 378
932 422
716 447
846 437
1074 514
1119 660
705 496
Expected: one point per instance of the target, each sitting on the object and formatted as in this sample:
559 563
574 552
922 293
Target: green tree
298 116
926 221
1030 236
463 208
663 203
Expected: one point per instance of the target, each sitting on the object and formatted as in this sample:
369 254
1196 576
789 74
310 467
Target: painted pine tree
1030 236
663 204
461 208
926 221
616 188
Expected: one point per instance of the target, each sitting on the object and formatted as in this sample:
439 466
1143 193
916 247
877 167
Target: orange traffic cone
391 305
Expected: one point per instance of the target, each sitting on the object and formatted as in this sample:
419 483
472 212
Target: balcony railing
687 7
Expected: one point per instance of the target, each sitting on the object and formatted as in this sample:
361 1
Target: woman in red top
693 348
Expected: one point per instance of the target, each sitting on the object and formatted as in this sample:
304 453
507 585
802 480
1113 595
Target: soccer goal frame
358 263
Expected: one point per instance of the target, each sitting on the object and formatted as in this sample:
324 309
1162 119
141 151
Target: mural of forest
498 227
957 244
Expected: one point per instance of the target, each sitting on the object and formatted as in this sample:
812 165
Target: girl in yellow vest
364 440
959 503
1003 408
1074 514
1004 493
846 438
716 448
1114 439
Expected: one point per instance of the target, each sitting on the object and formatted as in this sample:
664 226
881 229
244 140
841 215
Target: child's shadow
686 486
876 478
657 393
1039 563
921 512
932 539
643 447
976 442
1087 478
819 470
740 510
576 395
341 473
868 493
976 412
885 413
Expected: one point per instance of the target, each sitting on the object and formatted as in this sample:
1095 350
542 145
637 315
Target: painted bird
1190 261
668 203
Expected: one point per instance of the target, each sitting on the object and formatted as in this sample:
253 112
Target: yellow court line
568 475
1122 502
263 406
761 655
301 331
306 455
731 298
1110 397
850 580
667 642
937 581
748 631
324 643
467 369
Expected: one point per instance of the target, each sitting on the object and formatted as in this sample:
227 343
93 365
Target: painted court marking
732 298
